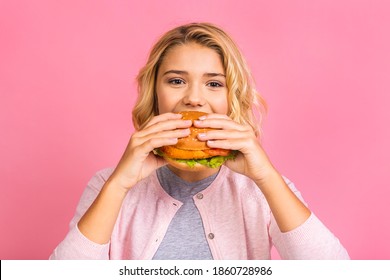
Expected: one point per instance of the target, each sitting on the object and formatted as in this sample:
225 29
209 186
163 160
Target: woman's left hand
251 160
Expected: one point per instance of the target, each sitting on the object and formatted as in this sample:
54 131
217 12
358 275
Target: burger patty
173 152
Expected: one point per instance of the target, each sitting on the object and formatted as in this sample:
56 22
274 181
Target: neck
193 176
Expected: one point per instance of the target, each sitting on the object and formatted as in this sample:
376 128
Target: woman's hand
138 160
251 160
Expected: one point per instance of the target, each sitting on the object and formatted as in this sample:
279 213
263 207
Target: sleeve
75 245
312 240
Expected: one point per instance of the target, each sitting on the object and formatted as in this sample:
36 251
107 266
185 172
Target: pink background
67 72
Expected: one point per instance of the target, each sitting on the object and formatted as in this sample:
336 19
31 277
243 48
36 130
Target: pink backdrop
67 72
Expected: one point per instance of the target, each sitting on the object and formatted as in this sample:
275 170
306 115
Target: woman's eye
176 81
215 84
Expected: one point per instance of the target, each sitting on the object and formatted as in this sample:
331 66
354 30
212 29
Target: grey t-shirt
185 238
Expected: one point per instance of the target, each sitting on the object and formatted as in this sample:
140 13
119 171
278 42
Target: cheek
219 104
161 100
166 102
163 105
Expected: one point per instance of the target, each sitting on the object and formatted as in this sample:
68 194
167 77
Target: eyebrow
181 72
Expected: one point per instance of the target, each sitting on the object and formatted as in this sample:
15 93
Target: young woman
146 208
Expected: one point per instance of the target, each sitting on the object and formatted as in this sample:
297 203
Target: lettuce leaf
213 162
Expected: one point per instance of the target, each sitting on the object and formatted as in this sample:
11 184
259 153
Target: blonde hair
243 99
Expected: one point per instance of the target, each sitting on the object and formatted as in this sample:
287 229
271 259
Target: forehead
192 56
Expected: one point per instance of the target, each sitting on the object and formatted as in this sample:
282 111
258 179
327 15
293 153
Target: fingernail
202 135
187 122
202 118
210 142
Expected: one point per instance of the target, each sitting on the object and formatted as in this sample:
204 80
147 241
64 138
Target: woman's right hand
138 160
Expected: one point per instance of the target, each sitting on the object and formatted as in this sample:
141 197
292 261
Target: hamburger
189 153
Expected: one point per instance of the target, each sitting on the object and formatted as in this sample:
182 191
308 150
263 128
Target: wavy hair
245 105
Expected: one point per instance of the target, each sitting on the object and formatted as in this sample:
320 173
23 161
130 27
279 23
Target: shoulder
243 182
232 177
99 178
240 185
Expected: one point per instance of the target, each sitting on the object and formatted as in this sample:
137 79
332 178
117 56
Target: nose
194 97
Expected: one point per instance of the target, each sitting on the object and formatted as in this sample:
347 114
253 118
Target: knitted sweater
237 220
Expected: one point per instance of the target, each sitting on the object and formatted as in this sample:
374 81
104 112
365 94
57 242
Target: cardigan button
199 196
211 235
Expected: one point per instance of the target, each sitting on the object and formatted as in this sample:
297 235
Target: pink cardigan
237 220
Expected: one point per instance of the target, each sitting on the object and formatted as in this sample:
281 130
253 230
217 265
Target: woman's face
191 77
